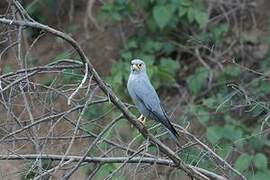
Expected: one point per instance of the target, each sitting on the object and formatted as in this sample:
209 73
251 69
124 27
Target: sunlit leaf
243 162
169 65
162 15
232 133
260 161
261 175
214 134
201 18
197 80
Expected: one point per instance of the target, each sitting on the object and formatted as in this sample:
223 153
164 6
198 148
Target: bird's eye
140 65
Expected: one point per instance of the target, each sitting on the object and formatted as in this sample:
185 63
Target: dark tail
173 133
163 119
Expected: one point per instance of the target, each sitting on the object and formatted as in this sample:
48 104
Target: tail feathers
175 136
175 139
163 119
172 129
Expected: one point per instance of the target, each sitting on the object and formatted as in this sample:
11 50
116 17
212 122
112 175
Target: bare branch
50 112
104 160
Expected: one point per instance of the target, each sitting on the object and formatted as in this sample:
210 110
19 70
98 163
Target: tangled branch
23 85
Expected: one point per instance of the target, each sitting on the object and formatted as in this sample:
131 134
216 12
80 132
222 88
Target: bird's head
137 66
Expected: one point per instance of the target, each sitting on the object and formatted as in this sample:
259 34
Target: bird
146 99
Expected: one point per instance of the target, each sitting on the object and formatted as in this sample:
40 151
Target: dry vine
33 111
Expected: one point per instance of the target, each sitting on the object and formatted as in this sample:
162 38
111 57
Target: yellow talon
142 119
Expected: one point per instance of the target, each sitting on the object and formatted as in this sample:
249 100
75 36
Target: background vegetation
208 60
195 46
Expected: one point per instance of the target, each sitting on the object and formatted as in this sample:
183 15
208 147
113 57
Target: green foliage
215 35
261 175
214 134
168 32
260 161
163 14
243 162
115 10
193 11
197 80
201 113
232 133
223 149
165 70
165 42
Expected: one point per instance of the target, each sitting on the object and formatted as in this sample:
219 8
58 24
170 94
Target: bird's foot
186 128
142 119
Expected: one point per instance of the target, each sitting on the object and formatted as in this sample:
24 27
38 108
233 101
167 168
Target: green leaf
107 7
223 150
257 142
132 44
126 55
232 133
162 15
169 65
197 80
204 118
151 46
201 18
182 11
190 15
219 31
186 2
164 78
202 115
261 175
260 161
116 16
232 71
151 24
263 87
214 134
243 162
168 48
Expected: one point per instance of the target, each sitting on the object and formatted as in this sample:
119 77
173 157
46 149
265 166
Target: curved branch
106 160
193 172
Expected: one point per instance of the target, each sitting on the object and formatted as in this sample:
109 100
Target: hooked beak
134 67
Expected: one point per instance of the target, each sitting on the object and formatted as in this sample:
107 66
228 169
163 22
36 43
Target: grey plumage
145 97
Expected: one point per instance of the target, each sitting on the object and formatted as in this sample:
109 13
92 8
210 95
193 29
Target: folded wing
147 95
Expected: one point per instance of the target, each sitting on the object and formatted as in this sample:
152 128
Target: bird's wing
147 95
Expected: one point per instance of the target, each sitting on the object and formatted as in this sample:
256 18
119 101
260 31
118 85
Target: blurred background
208 59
